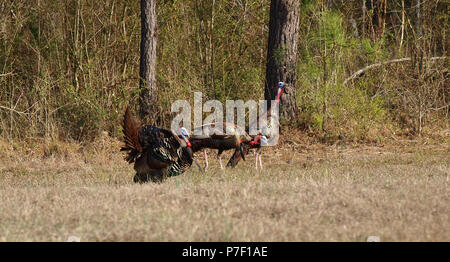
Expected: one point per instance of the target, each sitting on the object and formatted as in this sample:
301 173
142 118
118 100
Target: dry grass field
306 193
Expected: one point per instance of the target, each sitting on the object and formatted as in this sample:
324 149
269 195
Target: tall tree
148 90
282 55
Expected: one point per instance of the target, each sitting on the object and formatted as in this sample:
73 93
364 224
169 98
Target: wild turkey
259 140
156 153
222 136
256 143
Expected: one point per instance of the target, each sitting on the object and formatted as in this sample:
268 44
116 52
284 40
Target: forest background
68 68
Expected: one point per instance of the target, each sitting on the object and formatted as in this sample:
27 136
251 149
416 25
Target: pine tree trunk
282 55
148 91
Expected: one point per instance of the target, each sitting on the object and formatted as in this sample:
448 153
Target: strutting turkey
157 153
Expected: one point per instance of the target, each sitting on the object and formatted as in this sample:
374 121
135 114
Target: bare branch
13 110
361 71
7 74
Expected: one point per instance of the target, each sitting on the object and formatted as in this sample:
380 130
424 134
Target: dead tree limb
13 110
361 71
7 74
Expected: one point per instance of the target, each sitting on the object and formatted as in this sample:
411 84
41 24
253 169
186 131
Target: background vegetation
67 68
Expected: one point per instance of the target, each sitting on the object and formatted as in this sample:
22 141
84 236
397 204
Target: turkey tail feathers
131 136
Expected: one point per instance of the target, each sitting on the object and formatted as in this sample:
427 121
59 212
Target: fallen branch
7 74
13 110
361 71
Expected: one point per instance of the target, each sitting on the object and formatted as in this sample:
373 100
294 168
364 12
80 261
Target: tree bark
282 55
148 90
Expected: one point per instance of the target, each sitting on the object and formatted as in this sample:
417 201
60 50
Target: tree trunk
419 22
378 8
148 91
282 55
364 12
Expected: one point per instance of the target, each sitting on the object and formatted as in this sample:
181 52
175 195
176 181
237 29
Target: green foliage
329 53
329 107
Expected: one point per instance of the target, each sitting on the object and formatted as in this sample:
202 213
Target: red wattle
189 144
279 95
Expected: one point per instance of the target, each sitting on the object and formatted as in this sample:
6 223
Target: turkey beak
242 151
